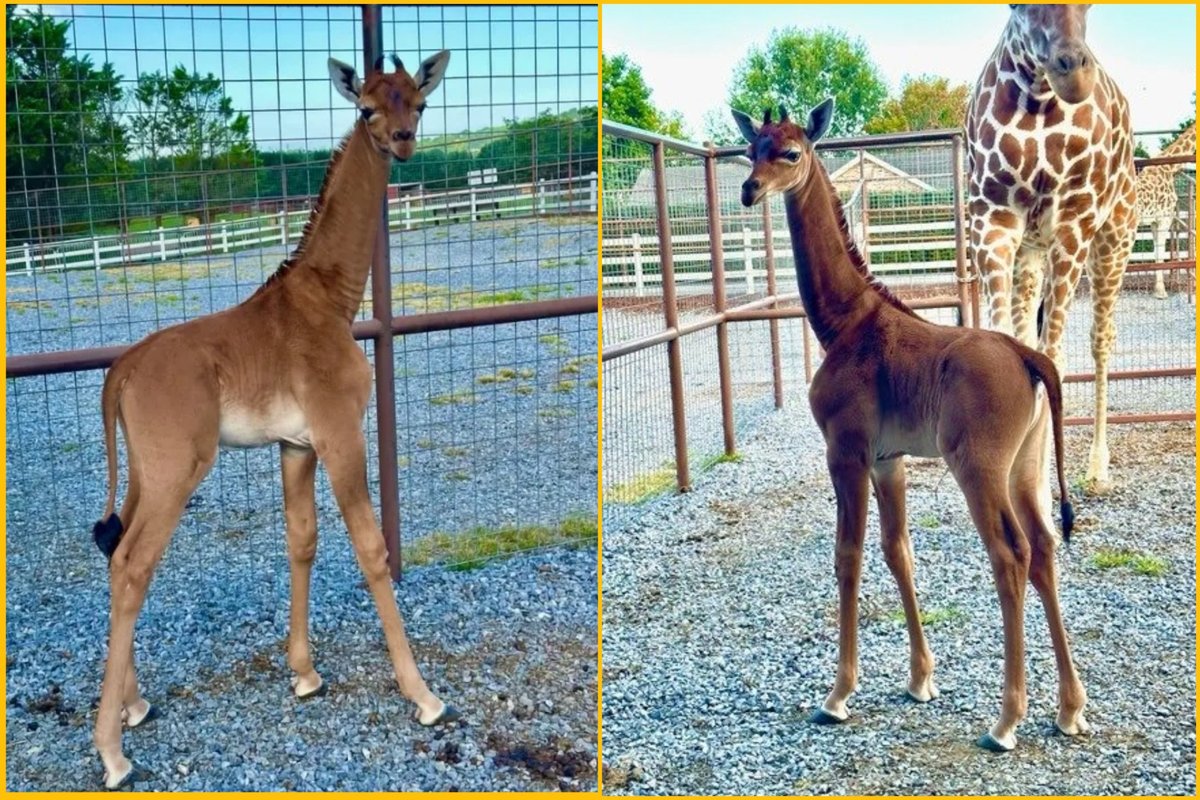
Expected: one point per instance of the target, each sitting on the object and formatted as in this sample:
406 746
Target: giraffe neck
835 286
1015 63
333 256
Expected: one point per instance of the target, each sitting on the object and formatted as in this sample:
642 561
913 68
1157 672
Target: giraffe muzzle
751 191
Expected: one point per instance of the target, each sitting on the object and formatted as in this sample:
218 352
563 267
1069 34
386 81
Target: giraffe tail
1041 368
107 532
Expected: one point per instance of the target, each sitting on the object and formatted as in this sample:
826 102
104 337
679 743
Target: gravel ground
720 635
513 644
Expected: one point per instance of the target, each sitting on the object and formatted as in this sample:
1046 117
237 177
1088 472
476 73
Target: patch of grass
931 616
472 549
457 475
456 452
568 369
426 443
502 375
930 521
70 447
1139 563
594 383
643 487
557 344
563 387
708 462
526 373
460 398
555 412
523 389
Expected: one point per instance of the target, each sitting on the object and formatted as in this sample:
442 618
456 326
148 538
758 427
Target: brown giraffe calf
893 384
280 368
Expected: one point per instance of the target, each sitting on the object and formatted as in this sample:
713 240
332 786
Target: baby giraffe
893 384
281 368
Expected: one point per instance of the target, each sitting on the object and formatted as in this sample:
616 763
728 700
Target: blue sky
506 62
1150 50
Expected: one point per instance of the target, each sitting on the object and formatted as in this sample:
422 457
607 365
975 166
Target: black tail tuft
107 534
1068 519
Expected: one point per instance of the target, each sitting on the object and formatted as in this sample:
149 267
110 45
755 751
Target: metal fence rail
704 332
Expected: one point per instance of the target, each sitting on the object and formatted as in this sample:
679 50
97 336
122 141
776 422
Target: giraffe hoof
321 690
1078 727
151 714
991 743
823 717
135 774
449 714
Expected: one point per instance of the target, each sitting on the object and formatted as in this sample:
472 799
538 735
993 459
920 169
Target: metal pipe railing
671 315
716 244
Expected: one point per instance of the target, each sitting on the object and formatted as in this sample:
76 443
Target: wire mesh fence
735 281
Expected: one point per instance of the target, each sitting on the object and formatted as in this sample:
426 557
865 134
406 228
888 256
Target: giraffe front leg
995 236
1027 290
340 446
1106 271
849 471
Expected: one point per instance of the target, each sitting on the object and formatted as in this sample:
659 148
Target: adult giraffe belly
282 421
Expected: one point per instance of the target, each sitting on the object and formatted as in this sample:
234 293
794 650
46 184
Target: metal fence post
96 252
671 312
773 324
385 368
592 193
162 244
28 260
968 312
717 245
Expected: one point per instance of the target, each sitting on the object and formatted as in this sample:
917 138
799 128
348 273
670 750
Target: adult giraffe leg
1027 291
299 469
340 446
994 249
889 481
1159 231
1106 270
848 468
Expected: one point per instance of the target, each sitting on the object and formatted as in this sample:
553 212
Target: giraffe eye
792 156
366 112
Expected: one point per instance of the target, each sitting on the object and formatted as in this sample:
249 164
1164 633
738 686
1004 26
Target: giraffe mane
852 251
314 214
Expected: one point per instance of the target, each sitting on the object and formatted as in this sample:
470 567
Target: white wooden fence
408 212
632 262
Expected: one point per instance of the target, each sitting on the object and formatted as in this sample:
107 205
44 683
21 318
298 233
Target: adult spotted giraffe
1051 181
1157 201
280 368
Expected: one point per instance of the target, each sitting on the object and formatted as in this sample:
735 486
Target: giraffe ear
345 80
432 70
746 125
819 119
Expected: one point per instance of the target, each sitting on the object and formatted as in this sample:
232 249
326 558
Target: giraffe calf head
391 103
782 152
1055 37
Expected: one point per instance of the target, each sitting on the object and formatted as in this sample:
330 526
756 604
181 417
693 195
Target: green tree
798 69
61 118
925 103
626 99
187 116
